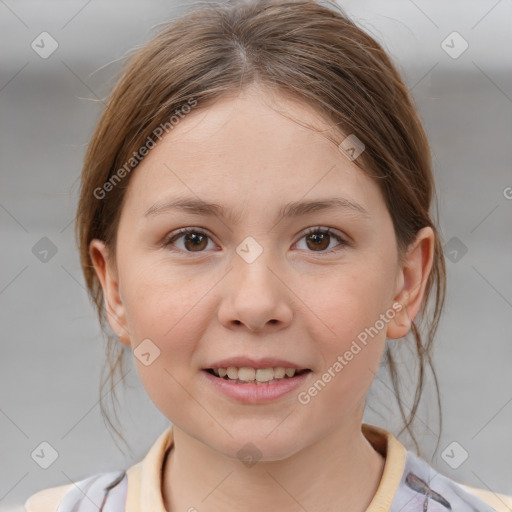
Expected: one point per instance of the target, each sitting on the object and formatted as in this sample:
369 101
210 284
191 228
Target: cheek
349 302
168 310
160 303
160 316
351 347
351 335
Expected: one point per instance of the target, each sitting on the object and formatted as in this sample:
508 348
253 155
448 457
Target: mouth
259 376
255 385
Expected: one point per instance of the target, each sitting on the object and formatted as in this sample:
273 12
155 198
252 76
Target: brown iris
198 240
323 238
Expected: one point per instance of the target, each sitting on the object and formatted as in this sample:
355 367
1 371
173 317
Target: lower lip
256 393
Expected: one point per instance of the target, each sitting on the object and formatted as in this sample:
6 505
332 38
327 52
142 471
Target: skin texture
301 300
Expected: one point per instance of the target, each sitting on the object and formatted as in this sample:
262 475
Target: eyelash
325 231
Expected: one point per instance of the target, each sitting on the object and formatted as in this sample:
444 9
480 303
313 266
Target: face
245 281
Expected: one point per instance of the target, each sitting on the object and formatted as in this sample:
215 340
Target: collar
145 478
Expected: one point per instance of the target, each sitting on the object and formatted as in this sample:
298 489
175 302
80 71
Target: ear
411 283
107 274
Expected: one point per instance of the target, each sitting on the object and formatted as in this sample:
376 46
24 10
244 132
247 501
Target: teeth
247 374
280 372
290 372
232 372
262 374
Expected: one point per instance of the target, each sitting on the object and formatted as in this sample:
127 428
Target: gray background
52 351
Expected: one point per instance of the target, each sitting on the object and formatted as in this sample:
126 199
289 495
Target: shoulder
107 491
421 484
498 501
46 500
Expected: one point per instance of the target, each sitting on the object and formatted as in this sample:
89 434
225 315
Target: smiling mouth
260 380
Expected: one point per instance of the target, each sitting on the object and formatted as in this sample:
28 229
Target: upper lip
244 361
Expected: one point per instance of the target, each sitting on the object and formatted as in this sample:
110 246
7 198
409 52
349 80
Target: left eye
321 238
195 240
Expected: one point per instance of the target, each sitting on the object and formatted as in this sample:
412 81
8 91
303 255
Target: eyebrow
294 209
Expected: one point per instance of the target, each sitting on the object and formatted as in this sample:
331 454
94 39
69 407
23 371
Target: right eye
193 240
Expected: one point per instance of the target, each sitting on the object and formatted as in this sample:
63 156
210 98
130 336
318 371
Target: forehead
250 147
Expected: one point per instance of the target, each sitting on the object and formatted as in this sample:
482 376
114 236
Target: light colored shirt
408 484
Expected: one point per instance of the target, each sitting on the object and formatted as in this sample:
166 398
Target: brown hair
301 48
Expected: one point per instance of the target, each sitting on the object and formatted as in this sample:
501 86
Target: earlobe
401 324
107 275
411 283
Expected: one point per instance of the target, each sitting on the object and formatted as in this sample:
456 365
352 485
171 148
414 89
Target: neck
340 472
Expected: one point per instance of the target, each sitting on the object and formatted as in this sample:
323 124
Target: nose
256 295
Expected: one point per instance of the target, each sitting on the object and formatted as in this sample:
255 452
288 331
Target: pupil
195 238
319 237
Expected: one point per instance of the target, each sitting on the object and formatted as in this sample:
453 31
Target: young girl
254 224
